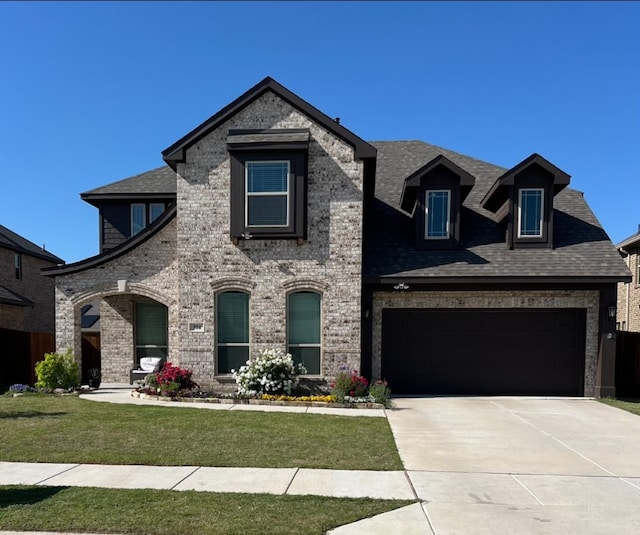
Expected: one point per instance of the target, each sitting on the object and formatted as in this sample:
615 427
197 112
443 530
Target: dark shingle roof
160 181
11 298
582 249
632 242
15 242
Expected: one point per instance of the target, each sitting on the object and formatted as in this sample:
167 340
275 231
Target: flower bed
290 401
267 380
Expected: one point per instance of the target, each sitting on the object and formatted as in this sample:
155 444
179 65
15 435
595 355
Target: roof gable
412 182
499 191
15 242
176 152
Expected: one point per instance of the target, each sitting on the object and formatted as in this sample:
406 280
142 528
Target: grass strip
162 512
67 429
629 405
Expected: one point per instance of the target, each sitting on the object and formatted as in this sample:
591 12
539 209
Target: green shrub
381 393
57 370
349 384
272 372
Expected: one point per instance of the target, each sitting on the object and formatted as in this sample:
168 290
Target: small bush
20 388
57 370
151 380
349 384
171 380
381 393
272 372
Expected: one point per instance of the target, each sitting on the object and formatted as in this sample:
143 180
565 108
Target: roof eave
631 241
176 152
116 252
391 280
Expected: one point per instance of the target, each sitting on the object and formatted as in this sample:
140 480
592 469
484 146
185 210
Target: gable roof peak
176 152
497 194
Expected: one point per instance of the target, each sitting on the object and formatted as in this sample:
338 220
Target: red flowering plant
352 385
171 380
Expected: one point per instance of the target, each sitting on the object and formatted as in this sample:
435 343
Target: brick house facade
274 226
27 301
628 306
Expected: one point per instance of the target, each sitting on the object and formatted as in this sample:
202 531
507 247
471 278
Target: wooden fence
19 352
628 364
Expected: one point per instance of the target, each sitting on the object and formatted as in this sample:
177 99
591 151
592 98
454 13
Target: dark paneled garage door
484 352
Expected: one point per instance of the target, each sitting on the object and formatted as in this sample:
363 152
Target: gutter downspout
627 306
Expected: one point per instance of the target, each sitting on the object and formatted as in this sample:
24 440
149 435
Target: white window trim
426 214
248 194
540 234
144 217
151 206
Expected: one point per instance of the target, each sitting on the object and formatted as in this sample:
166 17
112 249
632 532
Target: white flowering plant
272 372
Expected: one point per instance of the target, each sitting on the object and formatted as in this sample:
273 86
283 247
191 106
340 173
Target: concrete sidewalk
121 393
478 466
290 481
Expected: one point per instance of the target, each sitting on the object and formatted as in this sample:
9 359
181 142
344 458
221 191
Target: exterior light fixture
401 286
612 312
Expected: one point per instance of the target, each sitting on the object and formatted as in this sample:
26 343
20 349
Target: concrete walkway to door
521 465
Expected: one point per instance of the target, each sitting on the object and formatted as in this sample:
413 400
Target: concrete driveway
521 465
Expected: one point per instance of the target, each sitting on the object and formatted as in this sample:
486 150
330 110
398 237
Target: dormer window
438 209
530 212
268 183
143 214
522 198
433 195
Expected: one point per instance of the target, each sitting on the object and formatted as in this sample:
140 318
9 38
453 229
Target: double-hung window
267 194
268 184
437 208
17 264
304 328
530 212
232 332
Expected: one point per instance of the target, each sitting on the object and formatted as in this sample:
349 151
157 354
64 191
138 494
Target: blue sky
92 92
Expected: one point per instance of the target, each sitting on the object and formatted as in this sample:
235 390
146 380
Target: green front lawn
67 429
164 512
630 405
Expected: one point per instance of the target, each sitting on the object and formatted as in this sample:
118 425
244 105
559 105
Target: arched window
304 329
232 330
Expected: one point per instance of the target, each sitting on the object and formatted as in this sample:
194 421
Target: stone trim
586 299
305 284
230 283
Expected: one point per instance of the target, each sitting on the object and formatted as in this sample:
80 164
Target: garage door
484 352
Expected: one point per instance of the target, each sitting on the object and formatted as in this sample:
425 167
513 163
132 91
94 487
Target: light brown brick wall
193 258
628 305
330 260
33 286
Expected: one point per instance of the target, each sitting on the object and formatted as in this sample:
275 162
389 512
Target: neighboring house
27 301
272 225
628 310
